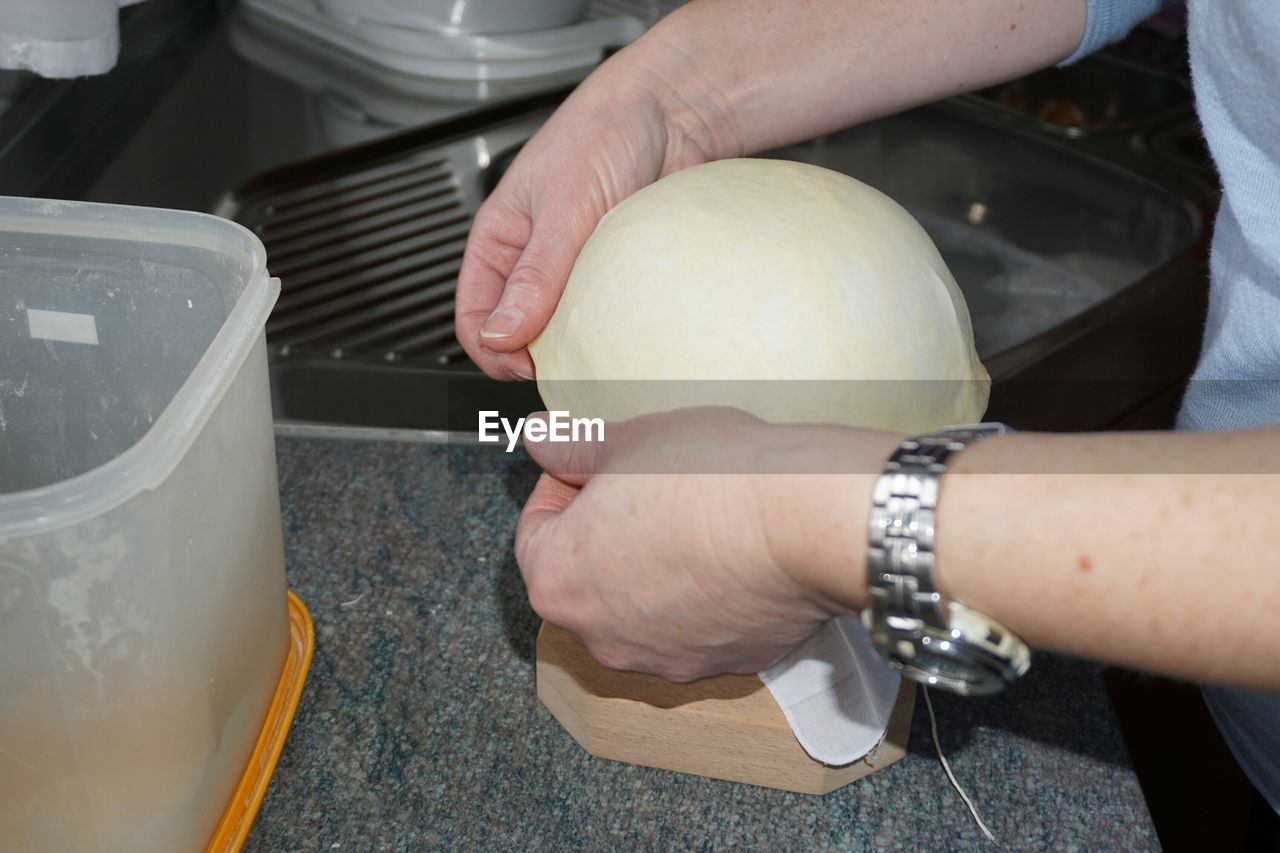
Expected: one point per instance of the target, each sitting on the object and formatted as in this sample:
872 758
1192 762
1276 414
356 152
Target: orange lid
243 808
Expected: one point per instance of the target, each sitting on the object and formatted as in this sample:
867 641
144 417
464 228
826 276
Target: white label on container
62 326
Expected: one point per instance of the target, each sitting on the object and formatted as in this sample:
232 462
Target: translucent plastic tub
143 615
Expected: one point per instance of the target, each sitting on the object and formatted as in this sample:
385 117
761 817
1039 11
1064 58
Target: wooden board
725 727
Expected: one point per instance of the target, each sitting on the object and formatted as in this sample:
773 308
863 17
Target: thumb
533 288
549 498
571 462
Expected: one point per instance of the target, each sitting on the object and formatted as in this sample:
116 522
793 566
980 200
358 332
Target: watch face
945 667
948 674
939 662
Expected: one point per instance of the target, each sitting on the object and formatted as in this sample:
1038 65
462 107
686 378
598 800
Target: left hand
699 541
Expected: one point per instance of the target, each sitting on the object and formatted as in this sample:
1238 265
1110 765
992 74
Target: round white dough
763 270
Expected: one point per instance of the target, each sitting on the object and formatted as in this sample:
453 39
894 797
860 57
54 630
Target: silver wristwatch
938 643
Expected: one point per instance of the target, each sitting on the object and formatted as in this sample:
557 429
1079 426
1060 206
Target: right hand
622 129
699 541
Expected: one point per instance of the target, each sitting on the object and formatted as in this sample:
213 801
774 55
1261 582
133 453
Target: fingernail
520 374
502 323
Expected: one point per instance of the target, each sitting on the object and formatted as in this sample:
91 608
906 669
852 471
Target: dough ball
787 290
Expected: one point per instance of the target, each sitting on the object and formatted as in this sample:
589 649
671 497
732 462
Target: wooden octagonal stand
725 727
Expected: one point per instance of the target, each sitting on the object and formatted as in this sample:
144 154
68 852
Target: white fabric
835 692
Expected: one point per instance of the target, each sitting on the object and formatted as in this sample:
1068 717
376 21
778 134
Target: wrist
817 509
669 65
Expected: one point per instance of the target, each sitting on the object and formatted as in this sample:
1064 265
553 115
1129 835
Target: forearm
1176 570
748 75
1152 550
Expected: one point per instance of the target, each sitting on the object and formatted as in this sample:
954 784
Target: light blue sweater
1235 69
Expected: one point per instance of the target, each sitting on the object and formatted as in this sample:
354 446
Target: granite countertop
419 726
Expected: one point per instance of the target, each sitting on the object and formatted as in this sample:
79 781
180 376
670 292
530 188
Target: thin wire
937 744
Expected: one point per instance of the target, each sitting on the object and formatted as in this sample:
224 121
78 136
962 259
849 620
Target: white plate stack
477 50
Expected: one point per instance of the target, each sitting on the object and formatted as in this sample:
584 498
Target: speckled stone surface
419 727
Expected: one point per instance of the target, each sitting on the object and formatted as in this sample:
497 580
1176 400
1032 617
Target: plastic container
143 614
60 39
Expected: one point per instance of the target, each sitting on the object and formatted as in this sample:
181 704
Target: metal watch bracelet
940 644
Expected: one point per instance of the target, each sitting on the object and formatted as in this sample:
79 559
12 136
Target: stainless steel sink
1103 94
1034 233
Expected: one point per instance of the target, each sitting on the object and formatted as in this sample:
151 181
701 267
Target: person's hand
622 129
701 541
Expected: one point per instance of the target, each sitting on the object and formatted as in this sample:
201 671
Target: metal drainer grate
368 263
367 243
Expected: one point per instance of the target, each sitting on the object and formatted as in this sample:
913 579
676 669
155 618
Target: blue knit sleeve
1111 20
